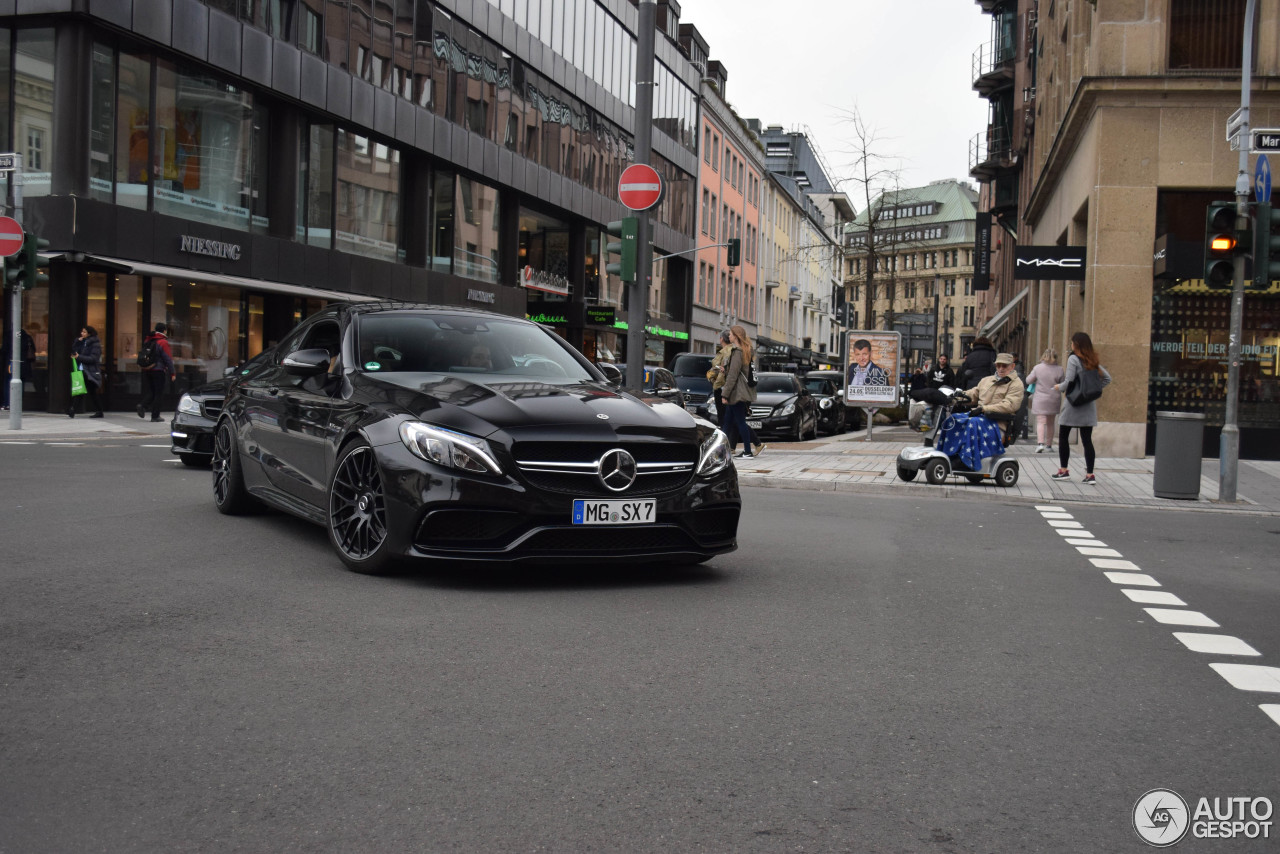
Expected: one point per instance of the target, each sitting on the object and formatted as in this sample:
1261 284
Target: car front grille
569 468
761 411
467 528
695 398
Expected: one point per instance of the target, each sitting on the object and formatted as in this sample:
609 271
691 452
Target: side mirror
307 362
230 371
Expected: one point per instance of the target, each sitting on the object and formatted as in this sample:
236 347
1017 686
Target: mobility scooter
967 459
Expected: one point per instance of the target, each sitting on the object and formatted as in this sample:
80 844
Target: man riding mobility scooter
970 444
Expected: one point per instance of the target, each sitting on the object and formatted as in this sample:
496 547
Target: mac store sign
1050 262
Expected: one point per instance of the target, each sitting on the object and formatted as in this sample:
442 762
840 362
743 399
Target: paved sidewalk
844 463
850 463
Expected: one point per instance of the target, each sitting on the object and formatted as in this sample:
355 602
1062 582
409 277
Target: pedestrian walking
716 375
87 350
738 394
155 357
980 363
1045 399
1084 416
26 362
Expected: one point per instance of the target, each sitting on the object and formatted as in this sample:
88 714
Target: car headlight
188 404
786 409
825 403
449 448
714 455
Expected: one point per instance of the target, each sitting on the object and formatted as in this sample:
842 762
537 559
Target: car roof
374 306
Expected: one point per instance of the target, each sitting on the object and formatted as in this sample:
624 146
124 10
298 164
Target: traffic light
22 269
1266 248
1221 243
734 252
626 231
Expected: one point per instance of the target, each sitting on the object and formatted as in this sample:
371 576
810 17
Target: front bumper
190 434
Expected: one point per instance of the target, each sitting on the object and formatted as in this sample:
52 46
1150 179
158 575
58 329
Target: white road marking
155 446
1049 507
1070 533
1098 543
1250 677
1051 514
1086 551
17 443
1272 710
1062 523
1136 578
1153 597
1111 563
1175 617
64 444
1215 644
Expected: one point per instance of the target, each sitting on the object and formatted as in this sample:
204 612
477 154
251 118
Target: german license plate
755 425
692 407
591 511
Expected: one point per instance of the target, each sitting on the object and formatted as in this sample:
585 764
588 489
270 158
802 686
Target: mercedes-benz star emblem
602 416
617 470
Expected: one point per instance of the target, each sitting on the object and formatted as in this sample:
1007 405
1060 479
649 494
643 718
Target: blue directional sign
1262 180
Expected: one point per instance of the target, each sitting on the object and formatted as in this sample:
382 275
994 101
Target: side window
323 335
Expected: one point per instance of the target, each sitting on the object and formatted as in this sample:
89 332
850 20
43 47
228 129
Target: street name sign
8 162
1265 140
10 236
639 187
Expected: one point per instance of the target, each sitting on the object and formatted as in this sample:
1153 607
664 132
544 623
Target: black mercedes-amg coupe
437 432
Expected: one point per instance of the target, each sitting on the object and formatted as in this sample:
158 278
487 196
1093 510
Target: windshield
395 342
776 385
816 386
691 365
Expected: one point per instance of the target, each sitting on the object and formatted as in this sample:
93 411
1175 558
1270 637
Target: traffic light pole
638 290
1229 443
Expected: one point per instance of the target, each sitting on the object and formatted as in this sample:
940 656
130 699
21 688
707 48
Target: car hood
773 398
509 403
702 385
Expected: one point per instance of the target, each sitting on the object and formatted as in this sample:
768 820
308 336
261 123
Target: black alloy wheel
229 493
357 521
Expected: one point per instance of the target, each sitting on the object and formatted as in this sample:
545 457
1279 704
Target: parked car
196 416
838 416
783 407
658 382
443 433
690 370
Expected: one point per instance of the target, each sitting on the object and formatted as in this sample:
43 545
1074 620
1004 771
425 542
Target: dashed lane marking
1215 644
1153 597
1245 677
1250 677
1178 617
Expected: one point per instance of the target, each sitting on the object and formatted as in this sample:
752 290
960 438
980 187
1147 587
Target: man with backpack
156 360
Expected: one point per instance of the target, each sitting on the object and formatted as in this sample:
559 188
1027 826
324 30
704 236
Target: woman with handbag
1082 386
87 350
739 394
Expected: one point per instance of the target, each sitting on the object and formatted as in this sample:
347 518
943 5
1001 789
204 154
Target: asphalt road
865 674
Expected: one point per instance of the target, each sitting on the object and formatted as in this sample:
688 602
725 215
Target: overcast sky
905 65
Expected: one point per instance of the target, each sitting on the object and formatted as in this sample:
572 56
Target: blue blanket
970 438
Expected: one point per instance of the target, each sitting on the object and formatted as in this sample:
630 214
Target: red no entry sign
640 187
10 236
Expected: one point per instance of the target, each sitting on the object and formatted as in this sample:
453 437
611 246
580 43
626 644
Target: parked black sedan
783 407
196 416
448 433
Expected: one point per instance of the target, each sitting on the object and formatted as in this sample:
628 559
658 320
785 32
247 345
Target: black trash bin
1179 447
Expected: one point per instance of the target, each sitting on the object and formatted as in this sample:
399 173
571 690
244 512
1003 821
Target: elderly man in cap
1000 396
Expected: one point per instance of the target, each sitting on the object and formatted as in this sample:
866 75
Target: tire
936 471
196 461
229 493
907 474
839 425
974 479
1006 475
797 435
357 512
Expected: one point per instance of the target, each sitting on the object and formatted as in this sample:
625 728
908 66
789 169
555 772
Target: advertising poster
872 368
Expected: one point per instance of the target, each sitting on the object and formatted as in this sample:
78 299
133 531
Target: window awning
121 265
1003 314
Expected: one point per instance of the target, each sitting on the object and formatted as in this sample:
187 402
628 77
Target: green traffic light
625 247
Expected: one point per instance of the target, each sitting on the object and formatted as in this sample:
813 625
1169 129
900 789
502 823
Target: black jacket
980 363
939 377
88 352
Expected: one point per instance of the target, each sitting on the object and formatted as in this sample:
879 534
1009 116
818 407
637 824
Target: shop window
101 121
315 187
441 236
475 248
206 141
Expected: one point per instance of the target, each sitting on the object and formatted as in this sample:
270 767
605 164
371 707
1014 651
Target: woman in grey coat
1083 417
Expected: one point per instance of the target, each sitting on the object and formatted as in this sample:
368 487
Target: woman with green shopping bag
88 360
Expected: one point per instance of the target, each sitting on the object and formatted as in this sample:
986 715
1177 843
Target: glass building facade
233 167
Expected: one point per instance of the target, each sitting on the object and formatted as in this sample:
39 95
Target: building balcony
990 153
993 67
794 293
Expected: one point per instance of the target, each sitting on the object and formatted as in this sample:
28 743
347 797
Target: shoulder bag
1085 388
